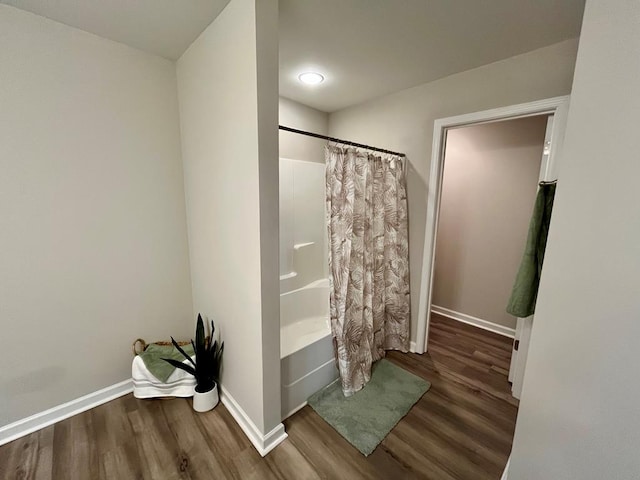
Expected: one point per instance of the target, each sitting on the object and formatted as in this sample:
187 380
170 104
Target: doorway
554 108
489 185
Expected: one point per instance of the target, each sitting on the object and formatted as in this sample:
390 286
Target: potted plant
206 368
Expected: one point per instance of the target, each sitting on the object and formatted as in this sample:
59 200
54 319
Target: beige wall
404 121
301 147
228 114
93 238
490 181
579 409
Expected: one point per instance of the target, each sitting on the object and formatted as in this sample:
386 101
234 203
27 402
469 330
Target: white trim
505 474
475 321
514 352
8 433
558 106
520 363
412 347
263 443
28 425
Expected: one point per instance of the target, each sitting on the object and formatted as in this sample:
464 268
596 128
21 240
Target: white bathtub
306 347
304 316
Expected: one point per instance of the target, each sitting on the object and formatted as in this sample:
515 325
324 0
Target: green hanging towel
525 289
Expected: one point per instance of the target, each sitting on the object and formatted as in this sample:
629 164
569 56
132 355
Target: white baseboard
412 347
263 443
505 474
28 425
476 322
8 433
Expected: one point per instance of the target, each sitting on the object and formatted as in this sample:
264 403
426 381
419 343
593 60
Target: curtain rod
337 140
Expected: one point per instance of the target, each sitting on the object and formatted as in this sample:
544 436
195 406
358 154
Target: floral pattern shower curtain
368 260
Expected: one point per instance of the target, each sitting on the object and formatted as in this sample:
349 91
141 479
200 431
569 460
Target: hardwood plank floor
461 429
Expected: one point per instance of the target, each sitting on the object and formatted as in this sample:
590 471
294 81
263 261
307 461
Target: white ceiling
365 48
369 48
162 27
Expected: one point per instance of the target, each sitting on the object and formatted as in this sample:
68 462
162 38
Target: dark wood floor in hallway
461 429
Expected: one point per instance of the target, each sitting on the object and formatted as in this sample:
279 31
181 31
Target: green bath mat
366 417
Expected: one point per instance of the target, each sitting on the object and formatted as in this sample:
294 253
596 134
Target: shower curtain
368 260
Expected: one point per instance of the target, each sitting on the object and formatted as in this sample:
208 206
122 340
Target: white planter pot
203 402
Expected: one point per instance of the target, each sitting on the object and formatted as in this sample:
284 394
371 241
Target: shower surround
306 348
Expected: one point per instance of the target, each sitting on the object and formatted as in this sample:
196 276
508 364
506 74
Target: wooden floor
461 429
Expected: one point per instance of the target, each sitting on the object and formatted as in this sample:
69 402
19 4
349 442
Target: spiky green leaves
206 368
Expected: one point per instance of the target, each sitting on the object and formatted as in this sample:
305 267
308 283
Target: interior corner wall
403 122
489 187
300 147
93 240
578 415
225 118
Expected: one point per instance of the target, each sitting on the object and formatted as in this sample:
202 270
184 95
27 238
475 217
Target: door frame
557 106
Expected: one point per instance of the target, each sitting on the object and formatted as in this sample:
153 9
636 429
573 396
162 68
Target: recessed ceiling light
311 78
